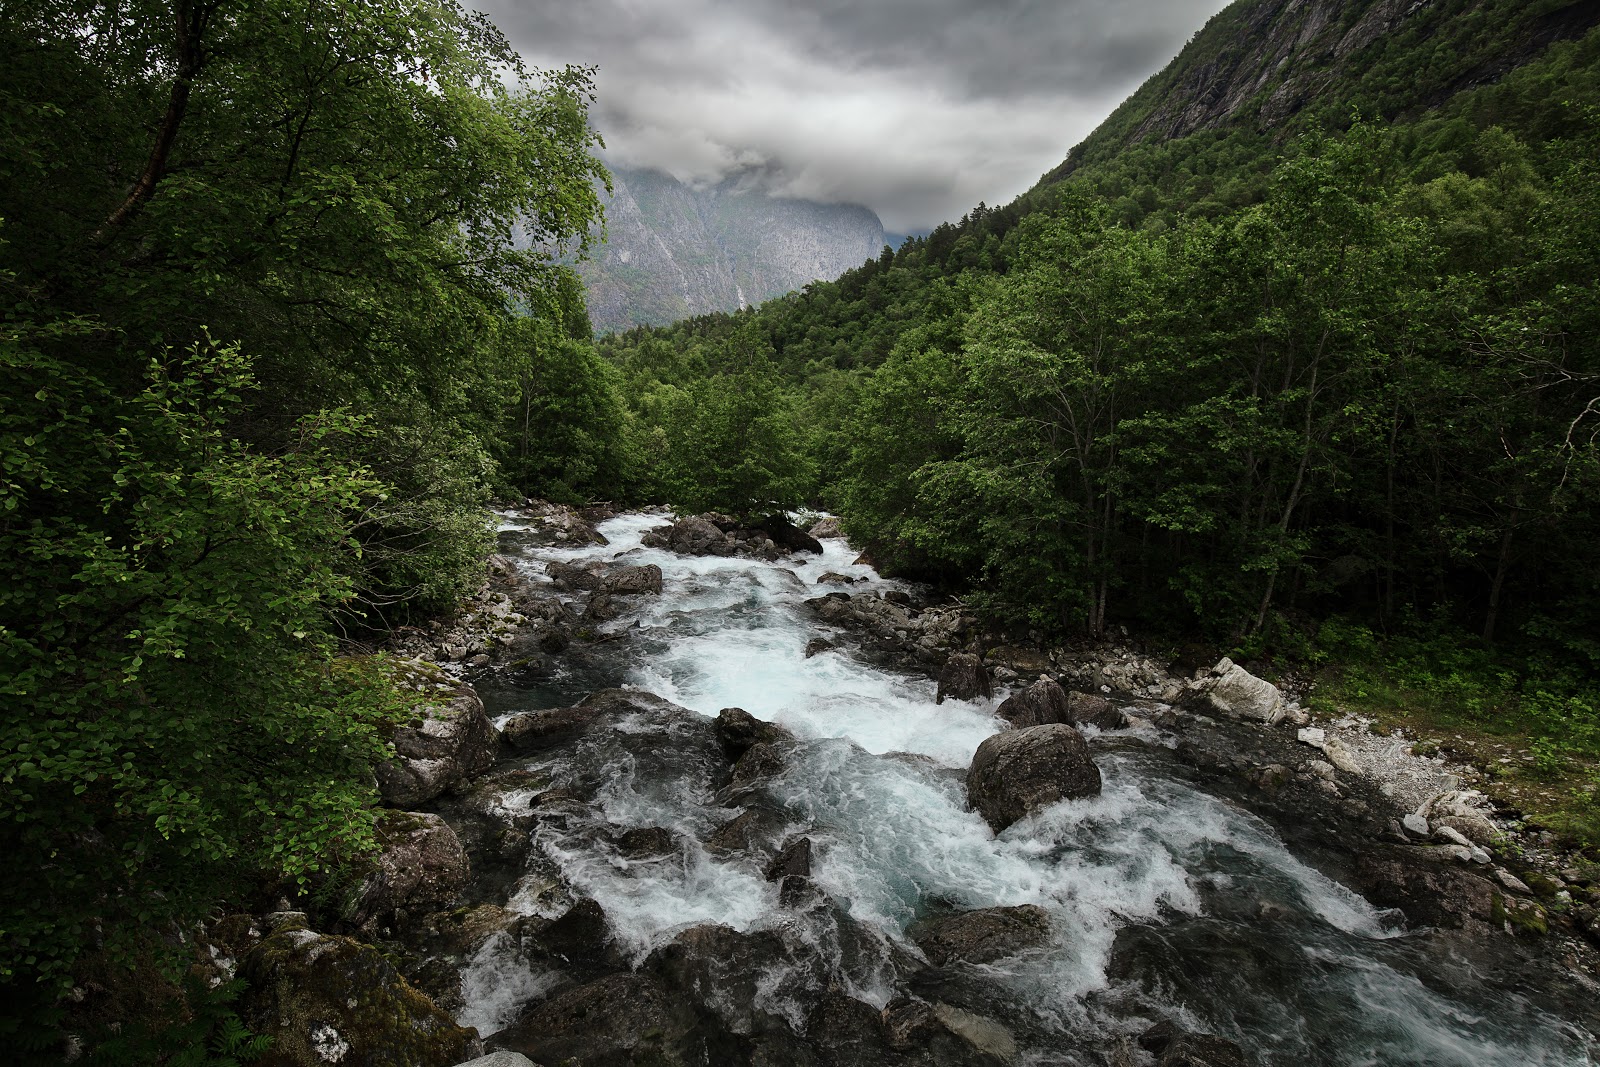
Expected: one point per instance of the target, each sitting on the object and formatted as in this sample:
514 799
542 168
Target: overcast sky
916 108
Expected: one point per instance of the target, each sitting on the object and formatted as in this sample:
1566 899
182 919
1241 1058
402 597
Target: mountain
674 251
1272 65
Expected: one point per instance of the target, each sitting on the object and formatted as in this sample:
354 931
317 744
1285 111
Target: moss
1521 917
310 990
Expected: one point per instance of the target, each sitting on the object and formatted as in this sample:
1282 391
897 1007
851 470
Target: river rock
827 526
579 941
793 861
1041 703
1174 1047
538 731
738 731
1232 690
787 535
696 535
421 868
817 645
964 678
1464 810
500 1059
1430 893
572 576
1090 709
443 747
617 1020
327 999
1019 771
982 936
1416 826
633 581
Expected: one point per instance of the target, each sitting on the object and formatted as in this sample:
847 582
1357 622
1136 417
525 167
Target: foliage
262 274
178 716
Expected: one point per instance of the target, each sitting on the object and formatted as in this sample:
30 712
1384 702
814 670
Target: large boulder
1232 690
444 746
696 535
572 576
1020 771
329 1000
739 731
786 534
536 731
826 527
1041 703
964 678
623 1019
982 936
421 868
631 581
1089 709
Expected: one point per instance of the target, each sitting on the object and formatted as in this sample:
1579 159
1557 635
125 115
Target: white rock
1321 769
1512 882
1415 825
1235 691
1312 736
1450 834
1340 756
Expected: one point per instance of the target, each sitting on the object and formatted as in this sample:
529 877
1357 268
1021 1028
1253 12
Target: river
1165 902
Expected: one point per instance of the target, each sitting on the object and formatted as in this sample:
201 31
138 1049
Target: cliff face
673 251
1261 62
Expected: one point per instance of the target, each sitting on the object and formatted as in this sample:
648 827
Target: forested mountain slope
1299 344
672 250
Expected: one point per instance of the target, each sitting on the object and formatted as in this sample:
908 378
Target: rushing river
1165 902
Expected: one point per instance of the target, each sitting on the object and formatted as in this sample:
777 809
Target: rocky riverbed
691 792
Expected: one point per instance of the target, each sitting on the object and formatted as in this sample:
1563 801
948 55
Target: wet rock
579 941
420 868
442 748
740 832
719 965
1232 690
826 527
538 731
572 576
1173 1047
784 534
1089 709
633 581
623 1019
834 578
982 1034
327 999
760 762
738 731
793 860
1041 703
696 535
816 645
798 891
982 936
602 607
500 1059
648 842
1430 893
1020 771
964 678
847 1032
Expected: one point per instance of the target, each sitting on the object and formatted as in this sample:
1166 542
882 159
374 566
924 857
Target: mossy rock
331 999
1520 916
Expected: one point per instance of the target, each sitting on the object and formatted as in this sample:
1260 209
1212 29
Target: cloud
917 108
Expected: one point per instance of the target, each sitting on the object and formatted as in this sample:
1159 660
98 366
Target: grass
1532 727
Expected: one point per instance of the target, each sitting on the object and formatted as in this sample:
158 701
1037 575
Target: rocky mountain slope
1261 63
674 251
